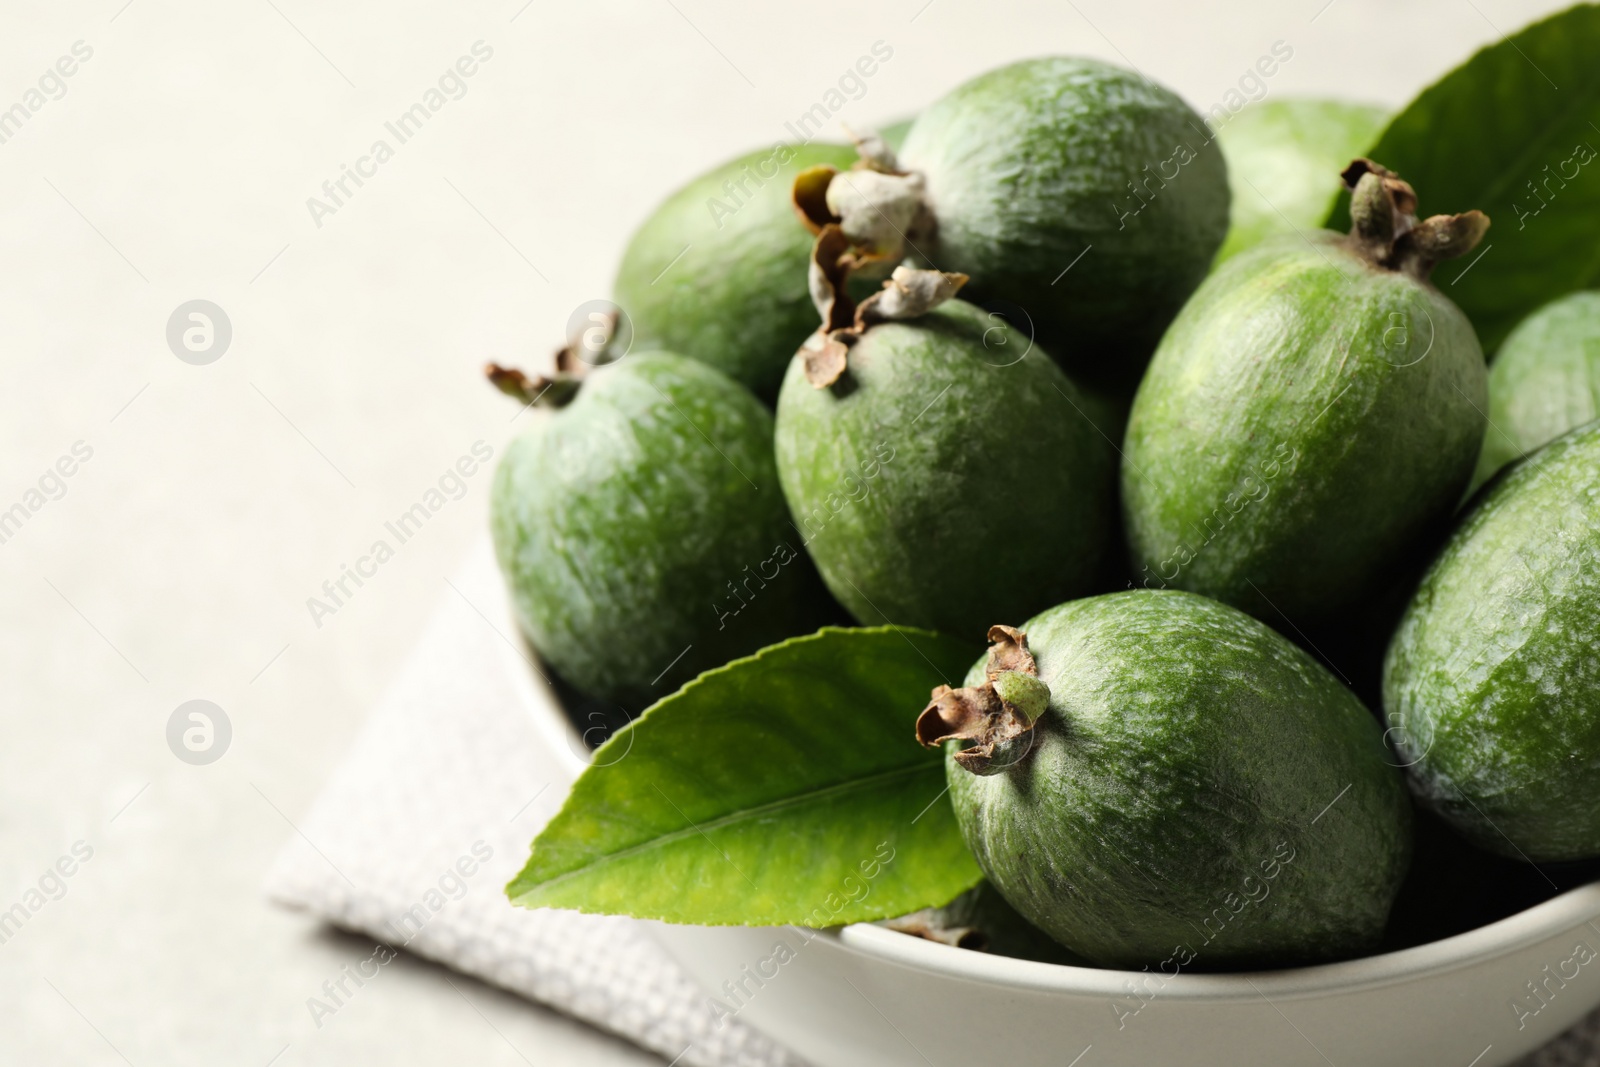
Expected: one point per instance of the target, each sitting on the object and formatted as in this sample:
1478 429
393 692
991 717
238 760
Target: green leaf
787 787
1284 160
1514 132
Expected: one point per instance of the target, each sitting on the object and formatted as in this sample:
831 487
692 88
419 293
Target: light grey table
177 162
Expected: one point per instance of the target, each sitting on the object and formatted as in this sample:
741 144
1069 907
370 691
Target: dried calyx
881 209
864 220
907 294
996 718
559 388
931 924
1386 232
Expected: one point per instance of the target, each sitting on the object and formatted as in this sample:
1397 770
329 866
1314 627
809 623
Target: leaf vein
756 813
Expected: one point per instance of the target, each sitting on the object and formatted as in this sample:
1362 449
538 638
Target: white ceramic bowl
864 995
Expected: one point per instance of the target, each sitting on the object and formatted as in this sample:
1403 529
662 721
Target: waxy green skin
721 276
1029 165
947 481
1544 381
1284 159
626 521
1306 423
1492 683
1201 794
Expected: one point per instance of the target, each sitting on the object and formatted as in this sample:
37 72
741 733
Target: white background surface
178 563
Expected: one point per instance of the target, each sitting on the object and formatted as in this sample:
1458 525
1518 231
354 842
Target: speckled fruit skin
1492 682
622 519
1544 381
720 275
944 482
1030 164
1201 794
1306 423
1284 159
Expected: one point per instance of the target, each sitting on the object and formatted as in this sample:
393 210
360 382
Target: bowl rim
1564 912
1544 921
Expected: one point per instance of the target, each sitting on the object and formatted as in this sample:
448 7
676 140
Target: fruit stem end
997 717
556 391
1384 227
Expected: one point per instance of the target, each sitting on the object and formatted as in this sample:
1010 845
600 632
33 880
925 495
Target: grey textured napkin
430 815
413 839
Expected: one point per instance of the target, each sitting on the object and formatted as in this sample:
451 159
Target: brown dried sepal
1384 227
824 356
1441 237
1008 651
862 226
829 273
871 239
569 363
560 387
976 713
928 924
554 391
809 196
906 294
873 153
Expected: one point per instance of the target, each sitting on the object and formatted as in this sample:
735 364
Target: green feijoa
718 271
1311 416
1085 193
1200 793
642 531
1544 381
1283 164
950 477
1492 683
